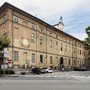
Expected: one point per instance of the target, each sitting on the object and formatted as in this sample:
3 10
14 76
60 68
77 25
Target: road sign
28 61
9 61
6 53
25 61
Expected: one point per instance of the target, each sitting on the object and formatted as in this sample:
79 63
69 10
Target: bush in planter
1 71
36 70
12 72
23 73
7 71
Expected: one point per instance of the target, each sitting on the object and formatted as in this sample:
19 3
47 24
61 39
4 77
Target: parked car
35 70
48 70
42 71
88 68
81 69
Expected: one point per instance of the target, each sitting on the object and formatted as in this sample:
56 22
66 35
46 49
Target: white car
48 70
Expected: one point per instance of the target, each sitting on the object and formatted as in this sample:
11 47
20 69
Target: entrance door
61 63
25 59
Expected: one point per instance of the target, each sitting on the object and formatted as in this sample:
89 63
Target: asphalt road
45 82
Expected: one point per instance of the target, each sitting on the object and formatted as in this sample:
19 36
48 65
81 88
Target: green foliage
87 41
36 70
7 71
4 42
23 73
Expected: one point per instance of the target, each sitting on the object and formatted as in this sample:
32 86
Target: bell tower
60 24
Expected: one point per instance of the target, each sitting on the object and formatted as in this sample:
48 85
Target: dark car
81 69
38 70
35 70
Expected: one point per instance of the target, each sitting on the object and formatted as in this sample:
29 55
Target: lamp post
3 64
6 55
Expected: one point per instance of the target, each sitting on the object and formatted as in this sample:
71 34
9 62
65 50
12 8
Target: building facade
34 43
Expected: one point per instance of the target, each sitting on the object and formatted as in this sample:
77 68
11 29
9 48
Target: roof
5 5
59 23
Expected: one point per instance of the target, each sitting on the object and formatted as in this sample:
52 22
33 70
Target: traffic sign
9 61
28 61
25 61
6 53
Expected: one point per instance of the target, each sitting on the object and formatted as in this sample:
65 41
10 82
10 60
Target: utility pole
3 64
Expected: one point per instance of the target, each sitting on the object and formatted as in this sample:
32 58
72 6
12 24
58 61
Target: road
46 82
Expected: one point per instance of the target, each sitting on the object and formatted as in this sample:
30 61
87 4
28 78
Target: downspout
46 47
12 37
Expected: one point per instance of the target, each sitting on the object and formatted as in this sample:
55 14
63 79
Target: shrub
23 73
36 70
12 72
1 71
7 71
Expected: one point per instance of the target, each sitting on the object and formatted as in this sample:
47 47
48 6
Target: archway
61 63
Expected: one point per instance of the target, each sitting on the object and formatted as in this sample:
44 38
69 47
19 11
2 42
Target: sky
75 13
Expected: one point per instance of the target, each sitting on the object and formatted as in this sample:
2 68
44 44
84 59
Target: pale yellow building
34 43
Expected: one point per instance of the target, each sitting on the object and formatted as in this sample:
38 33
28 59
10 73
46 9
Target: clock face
25 42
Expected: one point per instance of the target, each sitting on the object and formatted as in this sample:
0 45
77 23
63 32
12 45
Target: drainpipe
12 36
46 47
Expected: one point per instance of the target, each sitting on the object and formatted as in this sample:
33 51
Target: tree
87 41
4 42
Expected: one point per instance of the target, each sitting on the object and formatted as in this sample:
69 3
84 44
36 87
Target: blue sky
75 13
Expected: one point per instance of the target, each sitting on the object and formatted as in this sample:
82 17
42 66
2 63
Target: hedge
7 71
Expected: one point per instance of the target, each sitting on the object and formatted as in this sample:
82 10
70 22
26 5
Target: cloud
69 27
70 19
75 13
80 36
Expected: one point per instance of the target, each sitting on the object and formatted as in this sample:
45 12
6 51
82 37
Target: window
80 62
69 42
66 48
51 62
41 30
15 19
69 49
61 38
50 34
74 50
80 45
74 62
33 38
69 62
41 58
3 19
16 56
33 26
84 53
80 52
56 36
65 40
56 45
33 58
61 48
41 40
50 43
